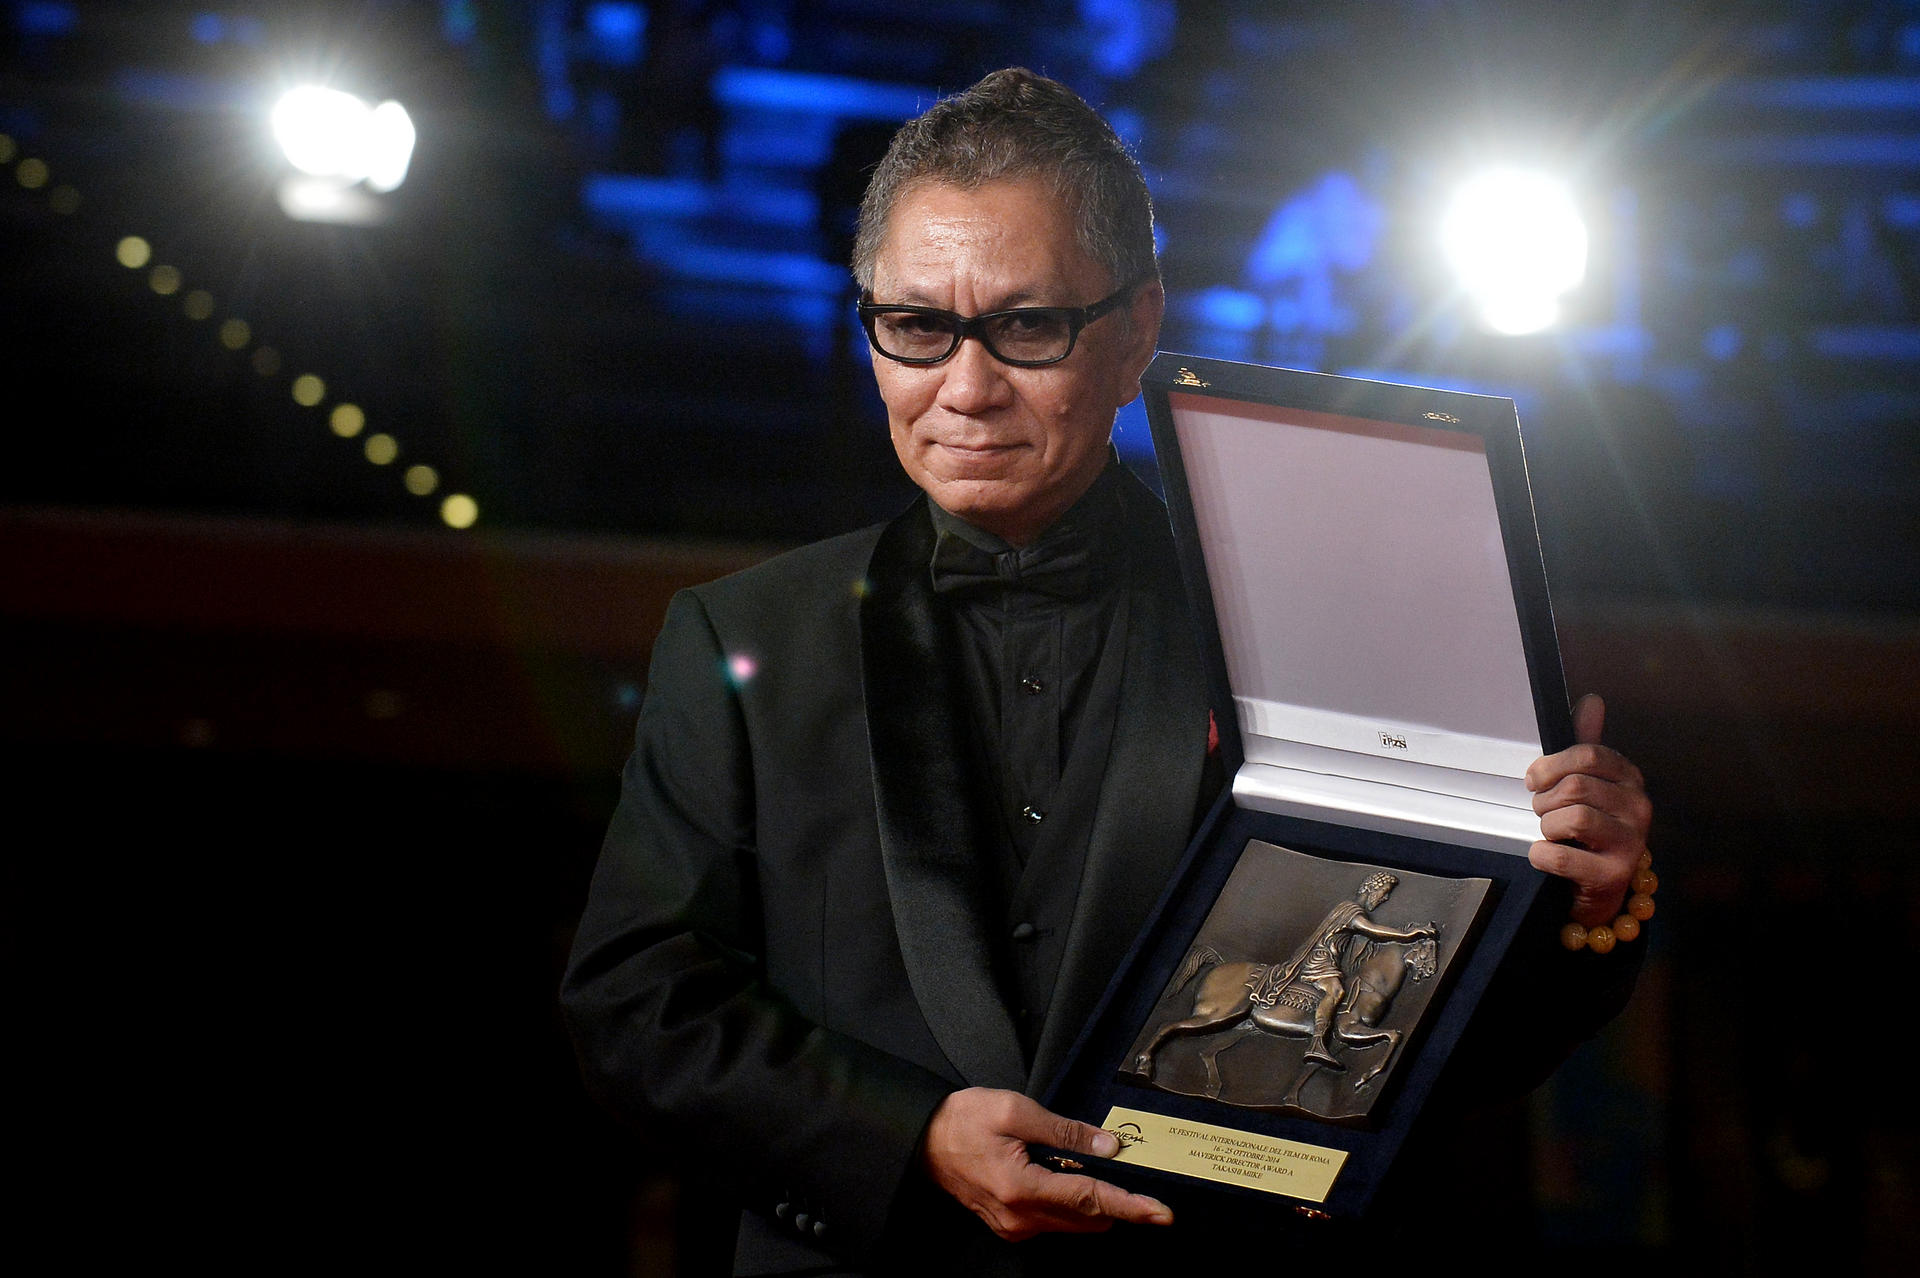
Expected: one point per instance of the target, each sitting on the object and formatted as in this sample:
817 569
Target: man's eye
1029 327
915 326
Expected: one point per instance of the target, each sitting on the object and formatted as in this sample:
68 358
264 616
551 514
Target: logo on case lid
1187 377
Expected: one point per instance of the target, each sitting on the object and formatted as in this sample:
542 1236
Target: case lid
1380 628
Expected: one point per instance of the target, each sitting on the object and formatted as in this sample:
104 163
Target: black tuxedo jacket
784 960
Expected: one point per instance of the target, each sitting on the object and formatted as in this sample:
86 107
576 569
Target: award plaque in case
1363 566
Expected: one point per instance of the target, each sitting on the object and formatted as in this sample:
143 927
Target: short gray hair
1016 125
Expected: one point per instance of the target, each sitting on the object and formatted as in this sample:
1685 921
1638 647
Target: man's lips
983 448
983 460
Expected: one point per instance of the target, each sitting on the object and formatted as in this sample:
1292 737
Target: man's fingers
1595 817
1597 872
976 1148
1599 880
1588 758
1096 1202
1594 814
1599 815
1057 1202
1598 850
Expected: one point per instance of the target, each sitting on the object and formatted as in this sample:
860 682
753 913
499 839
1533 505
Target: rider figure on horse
1317 962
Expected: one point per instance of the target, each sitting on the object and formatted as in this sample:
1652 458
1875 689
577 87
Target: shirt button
1025 931
1032 815
802 1222
1032 686
819 1229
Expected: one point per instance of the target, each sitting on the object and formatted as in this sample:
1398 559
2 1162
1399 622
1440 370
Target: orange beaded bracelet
1625 928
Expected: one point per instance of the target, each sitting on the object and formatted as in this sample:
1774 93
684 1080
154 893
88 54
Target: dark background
305 784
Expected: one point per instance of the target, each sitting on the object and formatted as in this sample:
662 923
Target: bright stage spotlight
331 134
347 148
1517 243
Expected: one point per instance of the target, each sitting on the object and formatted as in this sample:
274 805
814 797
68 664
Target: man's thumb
1589 716
1088 1139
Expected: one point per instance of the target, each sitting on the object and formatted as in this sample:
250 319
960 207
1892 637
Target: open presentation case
1363 566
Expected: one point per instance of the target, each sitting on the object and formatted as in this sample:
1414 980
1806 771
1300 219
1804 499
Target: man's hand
1593 797
976 1149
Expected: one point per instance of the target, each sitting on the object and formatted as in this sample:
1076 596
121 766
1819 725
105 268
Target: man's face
1007 449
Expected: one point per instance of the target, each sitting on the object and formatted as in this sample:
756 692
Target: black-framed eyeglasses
1025 337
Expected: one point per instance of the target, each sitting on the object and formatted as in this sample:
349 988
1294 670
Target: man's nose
973 380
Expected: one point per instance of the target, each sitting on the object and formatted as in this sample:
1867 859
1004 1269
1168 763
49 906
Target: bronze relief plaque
1304 984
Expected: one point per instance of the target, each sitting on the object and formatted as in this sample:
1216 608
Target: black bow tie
1058 566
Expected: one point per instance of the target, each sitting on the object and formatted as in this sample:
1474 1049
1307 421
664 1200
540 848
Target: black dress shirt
1038 632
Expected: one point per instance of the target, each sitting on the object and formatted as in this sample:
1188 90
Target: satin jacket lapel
936 875
1151 785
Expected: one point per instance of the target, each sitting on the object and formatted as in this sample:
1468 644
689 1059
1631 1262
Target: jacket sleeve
1541 1005
676 1029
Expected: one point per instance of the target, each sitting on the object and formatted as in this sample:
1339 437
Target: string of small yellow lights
309 390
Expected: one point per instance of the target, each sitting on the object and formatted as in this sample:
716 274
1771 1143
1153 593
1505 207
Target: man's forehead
1014 238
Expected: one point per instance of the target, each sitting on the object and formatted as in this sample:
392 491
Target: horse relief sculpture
1302 968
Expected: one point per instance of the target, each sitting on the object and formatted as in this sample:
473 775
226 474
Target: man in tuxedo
900 801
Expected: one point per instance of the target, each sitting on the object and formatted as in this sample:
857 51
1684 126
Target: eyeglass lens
1028 334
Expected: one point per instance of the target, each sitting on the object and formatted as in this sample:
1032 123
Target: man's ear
1144 313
